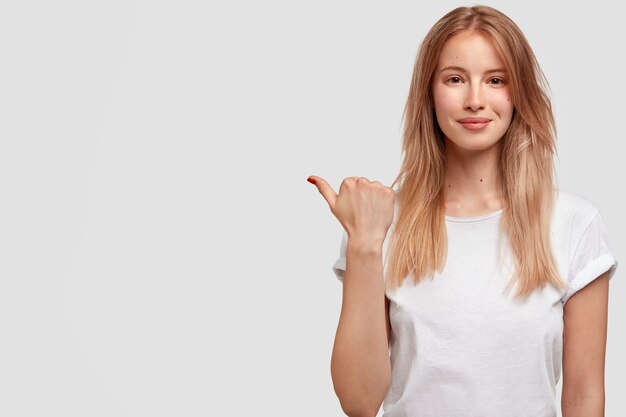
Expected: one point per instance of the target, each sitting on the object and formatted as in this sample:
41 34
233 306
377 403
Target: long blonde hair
418 243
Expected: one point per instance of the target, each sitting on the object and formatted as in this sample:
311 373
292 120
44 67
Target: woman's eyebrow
461 69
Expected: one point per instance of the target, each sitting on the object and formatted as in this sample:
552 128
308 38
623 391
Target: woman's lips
474 123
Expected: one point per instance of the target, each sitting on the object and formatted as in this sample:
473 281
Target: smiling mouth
475 125
474 120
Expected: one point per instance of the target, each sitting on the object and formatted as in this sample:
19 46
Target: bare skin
360 364
472 90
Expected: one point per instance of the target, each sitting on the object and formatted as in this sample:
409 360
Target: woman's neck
472 182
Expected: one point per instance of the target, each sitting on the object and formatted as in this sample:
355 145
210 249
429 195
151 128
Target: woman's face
470 82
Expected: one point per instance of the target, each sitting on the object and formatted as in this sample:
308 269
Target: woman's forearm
360 365
583 407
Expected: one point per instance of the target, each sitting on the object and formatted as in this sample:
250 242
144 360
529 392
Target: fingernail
311 180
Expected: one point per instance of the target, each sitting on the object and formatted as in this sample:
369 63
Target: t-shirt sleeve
340 264
591 257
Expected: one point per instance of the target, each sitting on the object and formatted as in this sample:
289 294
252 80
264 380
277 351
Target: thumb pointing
325 189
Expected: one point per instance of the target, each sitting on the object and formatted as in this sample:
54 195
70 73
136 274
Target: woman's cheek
504 104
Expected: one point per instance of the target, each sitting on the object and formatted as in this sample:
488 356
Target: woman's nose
475 99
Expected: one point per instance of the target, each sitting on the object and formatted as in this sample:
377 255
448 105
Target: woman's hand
364 208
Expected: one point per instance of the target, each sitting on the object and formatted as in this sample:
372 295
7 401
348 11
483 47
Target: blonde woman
469 286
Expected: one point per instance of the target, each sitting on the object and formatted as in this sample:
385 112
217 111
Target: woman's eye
453 78
500 81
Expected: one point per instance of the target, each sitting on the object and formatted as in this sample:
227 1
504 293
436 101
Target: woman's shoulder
572 208
568 200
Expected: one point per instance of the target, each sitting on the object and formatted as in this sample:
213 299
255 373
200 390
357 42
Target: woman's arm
360 364
585 317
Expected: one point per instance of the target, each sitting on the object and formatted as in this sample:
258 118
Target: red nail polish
311 180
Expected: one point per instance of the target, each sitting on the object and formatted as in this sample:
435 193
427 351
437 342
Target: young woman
469 286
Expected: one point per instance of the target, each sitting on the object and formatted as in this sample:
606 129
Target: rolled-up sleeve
591 258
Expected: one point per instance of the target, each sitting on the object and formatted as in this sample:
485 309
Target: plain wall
161 251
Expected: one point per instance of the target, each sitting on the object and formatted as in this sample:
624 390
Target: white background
161 251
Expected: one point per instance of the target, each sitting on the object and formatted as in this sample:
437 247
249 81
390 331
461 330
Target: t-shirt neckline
474 218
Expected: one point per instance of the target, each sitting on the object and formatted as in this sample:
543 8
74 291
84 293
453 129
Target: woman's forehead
471 51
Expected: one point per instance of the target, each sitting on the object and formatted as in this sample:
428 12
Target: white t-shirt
461 347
